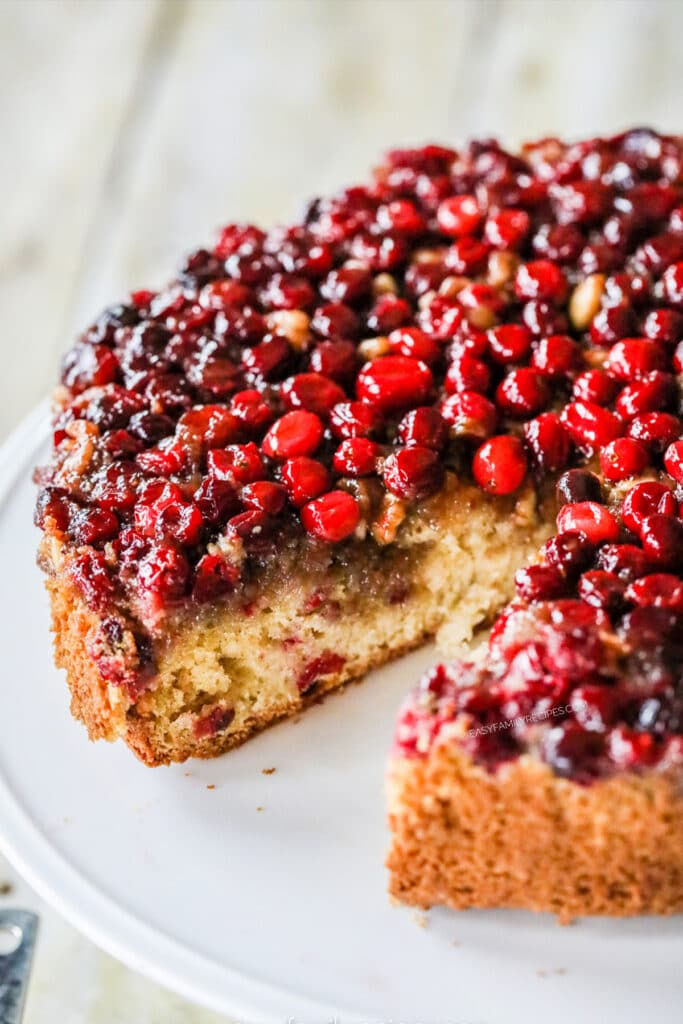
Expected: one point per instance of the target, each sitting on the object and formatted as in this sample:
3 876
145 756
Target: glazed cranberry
627 561
653 393
252 527
633 358
509 343
590 426
676 221
378 252
413 473
557 356
539 583
658 253
593 707
601 589
540 279
624 457
223 294
354 419
522 393
296 433
578 485
411 341
470 416
582 202
662 538
656 429
467 373
238 463
90 573
357 456
213 577
93 526
672 283
245 326
304 479
287 292
622 289
335 359
348 284
388 313
264 496
458 215
52 508
252 411
629 749
269 360
649 626
394 382
424 426
548 442
114 487
87 366
467 256
507 229
590 518
209 426
401 216
335 320
542 318
424 277
644 500
560 243
569 552
595 387
664 325
216 500
164 571
673 461
661 590
499 465
573 752
177 520
313 392
332 518
611 324
235 236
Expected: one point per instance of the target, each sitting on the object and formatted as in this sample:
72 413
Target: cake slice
549 776
322 444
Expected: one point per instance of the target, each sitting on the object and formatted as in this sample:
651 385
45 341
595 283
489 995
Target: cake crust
524 838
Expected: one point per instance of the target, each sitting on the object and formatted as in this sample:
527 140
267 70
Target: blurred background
129 129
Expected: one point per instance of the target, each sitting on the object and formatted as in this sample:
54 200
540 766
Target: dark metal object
15 966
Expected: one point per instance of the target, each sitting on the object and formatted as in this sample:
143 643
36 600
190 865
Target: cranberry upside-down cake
320 445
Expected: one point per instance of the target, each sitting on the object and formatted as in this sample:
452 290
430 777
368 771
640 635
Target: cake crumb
456 942
211 786
421 920
259 808
268 771
188 775
6 888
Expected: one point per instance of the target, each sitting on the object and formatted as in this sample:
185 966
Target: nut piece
391 514
293 324
384 284
502 268
373 348
585 301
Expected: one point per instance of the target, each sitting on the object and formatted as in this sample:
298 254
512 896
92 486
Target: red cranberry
251 527
402 216
357 456
394 382
569 552
582 202
509 343
332 517
423 426
590 426
560 243
335 320
556 356
578 485
459 215
542 318
264 496
216 499
467 256
411 341
296 433
213 577
238 463
87 366
93 526
572 752
594 386
654 392
470 416
664 325
661 590
601 589
413 473
354 419
542 280
304 479
595 521
250 408
623 457
644 500
313 392
633 358
114 487
212 426
593 707
335 359
656 429
539 583
90 573
269 360
548 442
287 292
522 393
611 324
673 461
626 561
388 313
165 571
662 538
467 373
672 283
500 466
507 229
348 284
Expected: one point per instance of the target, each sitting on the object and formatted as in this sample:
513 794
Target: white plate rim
117 932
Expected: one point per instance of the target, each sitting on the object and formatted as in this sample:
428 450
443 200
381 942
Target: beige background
130 128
